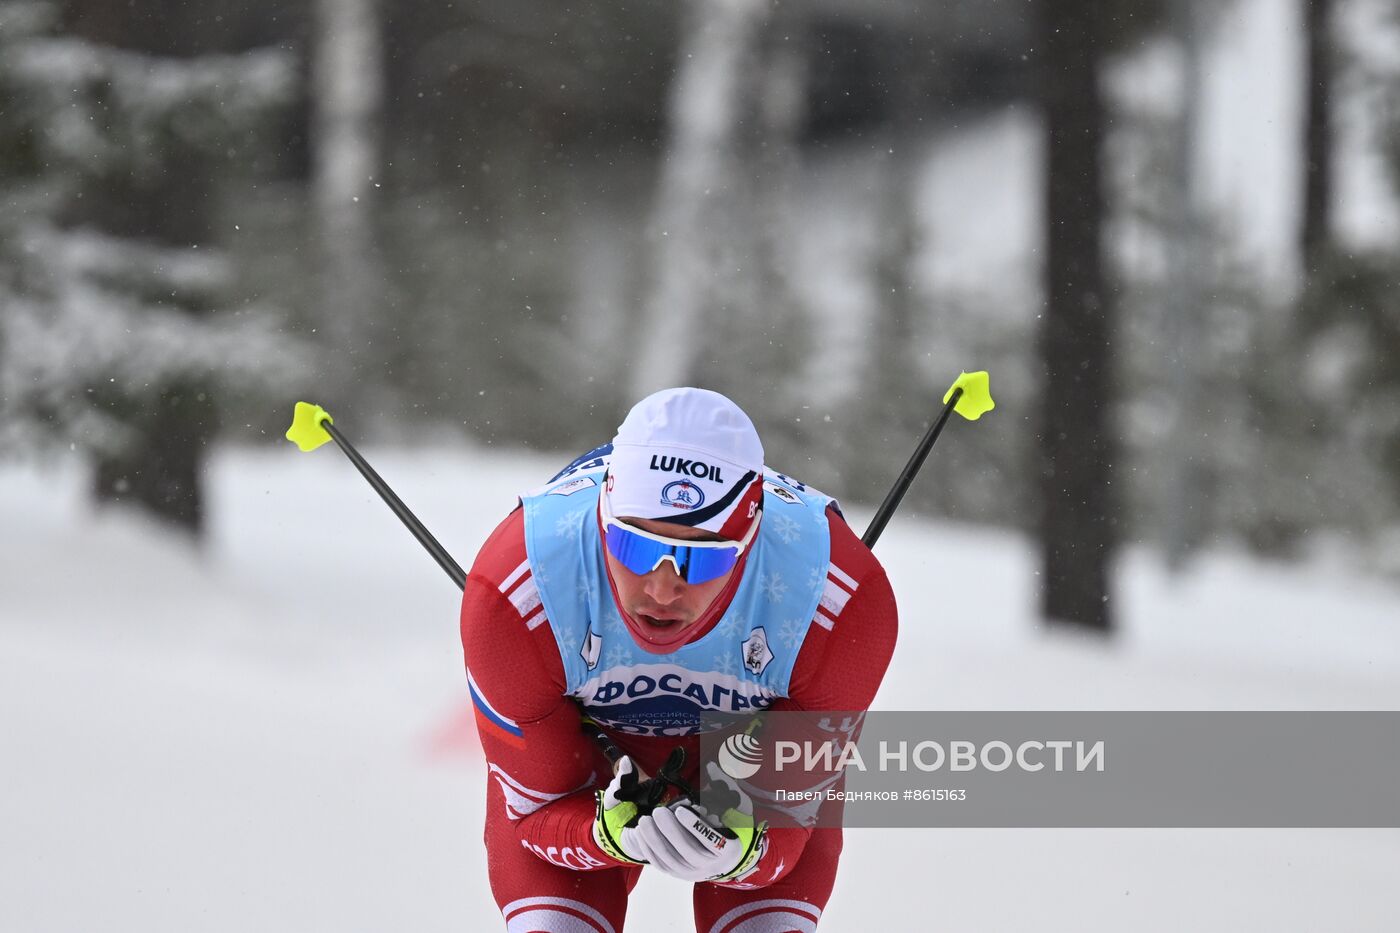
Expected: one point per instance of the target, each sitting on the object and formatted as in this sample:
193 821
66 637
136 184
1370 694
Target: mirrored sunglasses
695 561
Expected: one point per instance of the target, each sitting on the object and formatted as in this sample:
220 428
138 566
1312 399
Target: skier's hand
615 821
688 842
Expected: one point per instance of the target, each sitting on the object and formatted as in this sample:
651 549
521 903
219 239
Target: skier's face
660 600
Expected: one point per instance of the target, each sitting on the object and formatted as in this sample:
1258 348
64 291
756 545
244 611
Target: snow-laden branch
94 107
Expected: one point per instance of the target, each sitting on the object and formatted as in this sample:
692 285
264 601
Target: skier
655 579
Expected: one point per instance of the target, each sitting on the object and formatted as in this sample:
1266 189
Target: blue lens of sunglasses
641 555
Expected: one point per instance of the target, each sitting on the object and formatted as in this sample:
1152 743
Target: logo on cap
682 494
695 468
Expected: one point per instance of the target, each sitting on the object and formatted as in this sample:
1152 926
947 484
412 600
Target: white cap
688 456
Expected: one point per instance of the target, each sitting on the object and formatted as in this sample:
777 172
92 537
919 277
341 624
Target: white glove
686 841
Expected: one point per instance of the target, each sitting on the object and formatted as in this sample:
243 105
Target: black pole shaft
410 520
911 469
602 739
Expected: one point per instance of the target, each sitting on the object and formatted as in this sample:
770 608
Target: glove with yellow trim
620 805
687 841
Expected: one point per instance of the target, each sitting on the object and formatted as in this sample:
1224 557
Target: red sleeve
841 664
541 767
847 650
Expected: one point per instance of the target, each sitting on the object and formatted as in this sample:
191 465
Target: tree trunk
716 53
163 471
159 468
765 327
1317 136
1189 272
1076 445
347 97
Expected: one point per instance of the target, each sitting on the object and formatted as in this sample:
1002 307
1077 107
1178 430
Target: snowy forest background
1168 228
231 687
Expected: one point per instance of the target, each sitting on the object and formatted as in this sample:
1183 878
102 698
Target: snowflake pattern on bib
774 589
786 528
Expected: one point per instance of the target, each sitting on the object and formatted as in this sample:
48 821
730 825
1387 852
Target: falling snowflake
727 665
568 524
540 574
791 632
786 528
815 579
773 586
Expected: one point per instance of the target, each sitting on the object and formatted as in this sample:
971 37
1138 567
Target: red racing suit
547 873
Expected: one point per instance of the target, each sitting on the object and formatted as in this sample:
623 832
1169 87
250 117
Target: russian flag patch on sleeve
489 720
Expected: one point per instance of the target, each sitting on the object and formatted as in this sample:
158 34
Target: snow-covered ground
270 735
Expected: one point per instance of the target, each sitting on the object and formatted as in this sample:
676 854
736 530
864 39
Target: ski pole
312 426
970 396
